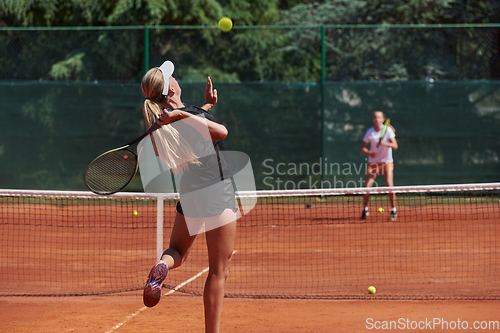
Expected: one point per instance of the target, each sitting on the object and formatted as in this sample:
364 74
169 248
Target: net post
159 227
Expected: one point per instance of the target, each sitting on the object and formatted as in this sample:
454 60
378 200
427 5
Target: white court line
114 328
127 319
187 281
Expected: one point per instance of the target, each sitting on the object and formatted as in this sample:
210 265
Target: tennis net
444 243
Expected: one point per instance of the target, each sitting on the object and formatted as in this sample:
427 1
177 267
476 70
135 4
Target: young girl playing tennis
380 160
162 91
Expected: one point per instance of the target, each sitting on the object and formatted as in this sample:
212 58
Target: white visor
167 69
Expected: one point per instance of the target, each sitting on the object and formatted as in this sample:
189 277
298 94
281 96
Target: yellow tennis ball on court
381 210
225 24
372 290
135 213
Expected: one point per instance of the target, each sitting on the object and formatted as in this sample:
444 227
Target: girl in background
380 160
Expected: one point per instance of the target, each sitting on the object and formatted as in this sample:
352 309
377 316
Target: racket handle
153 128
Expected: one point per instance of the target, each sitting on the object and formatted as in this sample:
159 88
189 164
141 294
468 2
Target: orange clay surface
430 251
182 313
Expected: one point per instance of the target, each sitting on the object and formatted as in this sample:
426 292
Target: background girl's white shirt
383 153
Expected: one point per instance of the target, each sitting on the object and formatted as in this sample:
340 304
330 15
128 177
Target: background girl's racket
114 169
384 129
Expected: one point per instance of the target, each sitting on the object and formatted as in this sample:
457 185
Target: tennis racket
384 129
114 169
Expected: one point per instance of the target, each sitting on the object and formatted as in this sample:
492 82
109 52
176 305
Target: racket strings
111 172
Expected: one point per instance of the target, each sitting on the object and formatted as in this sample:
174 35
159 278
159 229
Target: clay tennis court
296 267
180 313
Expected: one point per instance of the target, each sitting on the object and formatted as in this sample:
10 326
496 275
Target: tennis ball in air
135 213
225 24
372 290
381 210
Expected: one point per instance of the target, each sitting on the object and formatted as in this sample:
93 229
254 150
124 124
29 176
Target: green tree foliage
289 55
118 52
135 12
395 54
392 12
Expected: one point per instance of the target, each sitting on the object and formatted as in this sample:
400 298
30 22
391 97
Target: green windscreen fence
447 132
297 135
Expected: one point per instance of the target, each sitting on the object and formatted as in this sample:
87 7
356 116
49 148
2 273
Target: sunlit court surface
357 145
183 313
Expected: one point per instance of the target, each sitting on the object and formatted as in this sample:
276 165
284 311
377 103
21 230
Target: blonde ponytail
171 147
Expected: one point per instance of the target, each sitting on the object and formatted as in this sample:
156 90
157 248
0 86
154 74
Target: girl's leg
369 180
220 243
180 243
389 181
175 255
